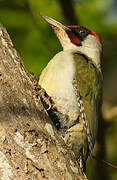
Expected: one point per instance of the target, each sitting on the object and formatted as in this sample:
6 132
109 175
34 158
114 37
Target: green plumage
72 87
88 83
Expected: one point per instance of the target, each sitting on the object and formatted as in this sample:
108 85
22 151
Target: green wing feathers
88 82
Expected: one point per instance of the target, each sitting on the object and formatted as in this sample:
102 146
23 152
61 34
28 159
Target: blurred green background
36 43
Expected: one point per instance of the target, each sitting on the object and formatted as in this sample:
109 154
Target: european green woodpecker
72 82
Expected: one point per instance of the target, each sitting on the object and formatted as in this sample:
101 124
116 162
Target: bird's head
78 38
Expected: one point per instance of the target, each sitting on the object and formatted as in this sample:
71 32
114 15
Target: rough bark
30 147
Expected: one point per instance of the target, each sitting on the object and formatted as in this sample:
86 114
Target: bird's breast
57 80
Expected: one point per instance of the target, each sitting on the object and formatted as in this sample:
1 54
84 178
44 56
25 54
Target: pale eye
82 32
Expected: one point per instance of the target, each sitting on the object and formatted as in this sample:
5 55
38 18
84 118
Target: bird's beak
55 24
59 29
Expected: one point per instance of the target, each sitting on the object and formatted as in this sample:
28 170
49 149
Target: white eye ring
81 31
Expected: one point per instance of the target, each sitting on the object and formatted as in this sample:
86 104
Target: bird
71 87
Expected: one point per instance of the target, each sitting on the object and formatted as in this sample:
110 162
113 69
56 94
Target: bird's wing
88 84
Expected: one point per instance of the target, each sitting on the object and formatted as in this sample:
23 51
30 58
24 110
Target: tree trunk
30 147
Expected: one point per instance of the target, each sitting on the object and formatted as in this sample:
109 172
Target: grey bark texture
30 147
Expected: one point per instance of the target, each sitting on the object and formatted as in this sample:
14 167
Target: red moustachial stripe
92 32
74 39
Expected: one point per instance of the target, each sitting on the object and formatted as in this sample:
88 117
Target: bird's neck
94 54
